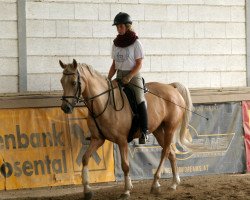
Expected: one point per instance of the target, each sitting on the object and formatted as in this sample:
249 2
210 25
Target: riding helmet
122 18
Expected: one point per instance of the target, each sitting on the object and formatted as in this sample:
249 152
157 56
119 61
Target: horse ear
74 63
62 65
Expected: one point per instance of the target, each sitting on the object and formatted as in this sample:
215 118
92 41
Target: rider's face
121 29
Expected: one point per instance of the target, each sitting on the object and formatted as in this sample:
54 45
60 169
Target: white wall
8 47
200 43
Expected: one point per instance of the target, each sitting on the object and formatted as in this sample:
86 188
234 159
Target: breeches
136 80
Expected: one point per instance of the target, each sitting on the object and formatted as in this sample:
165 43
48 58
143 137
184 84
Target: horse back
160 91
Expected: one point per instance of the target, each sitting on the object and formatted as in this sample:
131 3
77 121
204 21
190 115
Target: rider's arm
112 70
138 55
134 71
137 67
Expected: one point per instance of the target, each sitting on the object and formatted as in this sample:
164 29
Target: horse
168 118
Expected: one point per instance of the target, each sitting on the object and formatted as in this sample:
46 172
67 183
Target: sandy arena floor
198 188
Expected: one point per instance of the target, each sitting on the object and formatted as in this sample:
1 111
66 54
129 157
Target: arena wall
8 47
201 43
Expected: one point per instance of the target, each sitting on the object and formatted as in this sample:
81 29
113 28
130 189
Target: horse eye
74 83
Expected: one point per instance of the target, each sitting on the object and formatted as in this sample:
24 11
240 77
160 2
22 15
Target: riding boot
143 119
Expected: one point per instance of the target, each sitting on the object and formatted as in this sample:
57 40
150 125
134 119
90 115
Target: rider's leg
143 117
137 85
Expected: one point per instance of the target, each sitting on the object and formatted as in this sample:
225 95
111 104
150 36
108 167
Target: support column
22 48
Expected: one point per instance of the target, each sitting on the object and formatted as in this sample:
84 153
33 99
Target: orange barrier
44 147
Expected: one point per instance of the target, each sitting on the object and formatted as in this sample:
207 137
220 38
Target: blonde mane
90 68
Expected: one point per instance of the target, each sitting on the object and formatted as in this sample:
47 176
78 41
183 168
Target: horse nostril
67 109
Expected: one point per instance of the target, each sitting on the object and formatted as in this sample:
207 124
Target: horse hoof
130 187
124 197
173 187
155 190
88 196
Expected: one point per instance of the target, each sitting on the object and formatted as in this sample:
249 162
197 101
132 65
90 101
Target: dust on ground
194 188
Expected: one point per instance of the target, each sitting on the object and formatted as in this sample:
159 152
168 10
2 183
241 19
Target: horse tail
183 137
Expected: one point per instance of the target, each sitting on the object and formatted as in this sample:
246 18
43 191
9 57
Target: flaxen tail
183 137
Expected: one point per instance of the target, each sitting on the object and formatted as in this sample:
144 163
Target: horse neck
95 85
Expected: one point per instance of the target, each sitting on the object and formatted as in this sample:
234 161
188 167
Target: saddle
133 104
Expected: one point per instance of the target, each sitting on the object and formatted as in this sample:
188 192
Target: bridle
78 98
78 90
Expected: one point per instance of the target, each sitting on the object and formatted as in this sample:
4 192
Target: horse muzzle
67 108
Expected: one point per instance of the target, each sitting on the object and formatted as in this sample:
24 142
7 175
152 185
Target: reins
113 96
111 89
78 98
91 110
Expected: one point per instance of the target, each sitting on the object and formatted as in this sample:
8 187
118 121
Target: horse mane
91 69
83 66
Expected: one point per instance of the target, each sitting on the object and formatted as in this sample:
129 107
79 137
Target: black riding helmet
122 18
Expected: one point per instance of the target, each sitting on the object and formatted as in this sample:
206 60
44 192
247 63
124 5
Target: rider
127 55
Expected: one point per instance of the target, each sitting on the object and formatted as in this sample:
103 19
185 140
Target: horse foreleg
125 168
176 178
94 145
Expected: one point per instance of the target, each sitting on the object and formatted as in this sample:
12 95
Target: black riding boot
143 118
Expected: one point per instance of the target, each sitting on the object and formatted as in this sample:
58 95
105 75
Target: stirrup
144 138
88 138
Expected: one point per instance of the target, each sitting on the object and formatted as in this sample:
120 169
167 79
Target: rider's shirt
125 58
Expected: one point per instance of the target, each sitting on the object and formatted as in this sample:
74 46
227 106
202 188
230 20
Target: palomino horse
166 118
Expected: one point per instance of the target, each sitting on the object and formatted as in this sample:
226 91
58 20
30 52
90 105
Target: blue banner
221 140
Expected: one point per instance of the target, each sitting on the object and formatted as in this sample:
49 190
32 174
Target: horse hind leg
159 135
176 178
155 189
164 137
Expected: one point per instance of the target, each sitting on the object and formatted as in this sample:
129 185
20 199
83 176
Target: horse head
72 85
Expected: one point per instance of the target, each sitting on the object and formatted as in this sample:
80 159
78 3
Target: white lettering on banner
185 169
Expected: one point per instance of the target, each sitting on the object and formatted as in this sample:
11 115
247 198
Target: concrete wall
8 46
200 43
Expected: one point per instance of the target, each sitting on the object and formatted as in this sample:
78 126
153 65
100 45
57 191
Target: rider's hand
126 79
